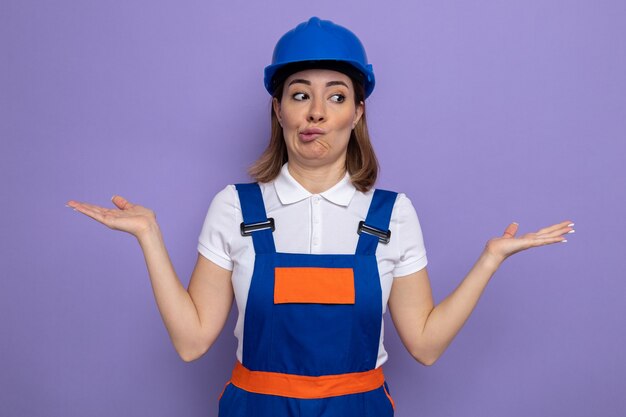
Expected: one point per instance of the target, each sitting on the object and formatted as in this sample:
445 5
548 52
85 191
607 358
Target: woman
311 253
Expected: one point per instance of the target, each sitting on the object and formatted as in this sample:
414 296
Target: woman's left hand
506 245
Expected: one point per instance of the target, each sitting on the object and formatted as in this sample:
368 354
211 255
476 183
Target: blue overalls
312 325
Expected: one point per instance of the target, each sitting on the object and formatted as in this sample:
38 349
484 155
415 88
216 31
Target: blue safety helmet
319 44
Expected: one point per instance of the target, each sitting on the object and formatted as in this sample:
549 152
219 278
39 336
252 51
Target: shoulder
362 199
228 198
402 201
225 200
404 211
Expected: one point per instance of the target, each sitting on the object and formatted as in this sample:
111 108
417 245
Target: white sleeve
218 228
412 252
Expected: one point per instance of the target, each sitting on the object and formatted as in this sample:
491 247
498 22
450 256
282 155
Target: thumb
510 230
120 202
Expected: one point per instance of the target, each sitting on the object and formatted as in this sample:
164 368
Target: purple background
484 113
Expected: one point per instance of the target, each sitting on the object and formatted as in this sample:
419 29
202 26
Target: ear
360 108
276 106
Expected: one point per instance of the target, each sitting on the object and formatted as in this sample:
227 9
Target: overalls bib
312 325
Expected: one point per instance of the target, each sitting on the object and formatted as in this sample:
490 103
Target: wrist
491 260
149 234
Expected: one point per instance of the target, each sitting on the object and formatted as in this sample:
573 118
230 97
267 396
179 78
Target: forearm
426 331
449 316
194 316
176 306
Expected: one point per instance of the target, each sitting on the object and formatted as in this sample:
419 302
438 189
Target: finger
557 232
74 204
97 212
89 206
554 227
92 212
541 241
121 203
511 230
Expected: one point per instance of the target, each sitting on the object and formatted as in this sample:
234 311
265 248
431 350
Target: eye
338 98
299 96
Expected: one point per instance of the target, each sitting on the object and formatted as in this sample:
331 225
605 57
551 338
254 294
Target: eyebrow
307 82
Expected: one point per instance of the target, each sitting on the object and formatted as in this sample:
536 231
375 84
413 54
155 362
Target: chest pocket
311 285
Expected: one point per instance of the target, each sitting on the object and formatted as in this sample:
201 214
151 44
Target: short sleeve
218 227
412 252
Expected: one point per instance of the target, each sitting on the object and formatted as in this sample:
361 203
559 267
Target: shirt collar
290 191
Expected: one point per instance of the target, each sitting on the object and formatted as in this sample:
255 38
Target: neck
317 179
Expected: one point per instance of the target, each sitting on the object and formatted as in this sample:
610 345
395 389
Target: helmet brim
277 73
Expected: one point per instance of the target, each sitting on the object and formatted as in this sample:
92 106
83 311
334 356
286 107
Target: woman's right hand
127 217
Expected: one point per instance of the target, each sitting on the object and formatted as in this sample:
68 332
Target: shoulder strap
375 228
255 222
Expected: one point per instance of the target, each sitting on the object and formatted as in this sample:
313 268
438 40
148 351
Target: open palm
508 244
127 217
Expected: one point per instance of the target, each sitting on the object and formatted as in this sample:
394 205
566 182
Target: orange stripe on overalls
299 386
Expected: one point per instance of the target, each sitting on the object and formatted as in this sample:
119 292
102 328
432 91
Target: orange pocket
314 285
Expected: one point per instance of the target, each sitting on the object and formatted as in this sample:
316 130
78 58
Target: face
317 113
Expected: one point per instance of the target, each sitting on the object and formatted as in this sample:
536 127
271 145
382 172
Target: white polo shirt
324 223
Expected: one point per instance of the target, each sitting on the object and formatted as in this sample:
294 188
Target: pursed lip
310 133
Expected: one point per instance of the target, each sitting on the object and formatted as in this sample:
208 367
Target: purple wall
484 113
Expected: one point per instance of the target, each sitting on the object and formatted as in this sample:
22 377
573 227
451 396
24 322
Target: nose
317 110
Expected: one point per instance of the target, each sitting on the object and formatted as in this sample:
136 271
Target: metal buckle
382 235
247 229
